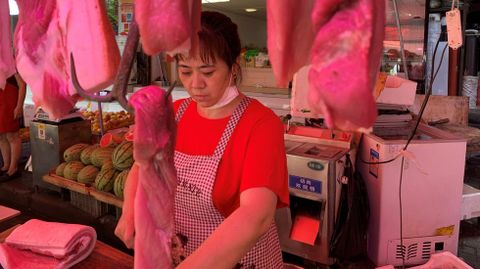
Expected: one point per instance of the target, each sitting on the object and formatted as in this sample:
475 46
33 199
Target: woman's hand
18 112
238 233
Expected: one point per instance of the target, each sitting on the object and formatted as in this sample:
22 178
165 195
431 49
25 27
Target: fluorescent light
250 9
13 7
214 1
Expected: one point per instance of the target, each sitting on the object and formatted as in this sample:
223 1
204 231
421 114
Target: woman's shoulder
177 103
258 114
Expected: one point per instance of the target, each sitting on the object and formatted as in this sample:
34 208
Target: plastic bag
349 238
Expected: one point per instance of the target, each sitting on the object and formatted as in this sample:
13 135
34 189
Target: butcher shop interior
240 134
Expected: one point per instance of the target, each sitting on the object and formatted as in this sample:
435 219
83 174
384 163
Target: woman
230 160
11 110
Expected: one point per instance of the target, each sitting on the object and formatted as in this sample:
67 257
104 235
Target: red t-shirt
254 156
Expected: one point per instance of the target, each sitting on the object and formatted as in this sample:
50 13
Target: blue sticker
305 184
373 166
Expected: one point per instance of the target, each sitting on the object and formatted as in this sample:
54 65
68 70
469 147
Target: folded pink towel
40 244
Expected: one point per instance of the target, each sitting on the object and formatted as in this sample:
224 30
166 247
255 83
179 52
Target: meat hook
119 90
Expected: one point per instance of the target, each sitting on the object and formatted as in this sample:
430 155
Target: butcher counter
103 256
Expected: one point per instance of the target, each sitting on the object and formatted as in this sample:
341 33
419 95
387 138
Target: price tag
41 131
454 29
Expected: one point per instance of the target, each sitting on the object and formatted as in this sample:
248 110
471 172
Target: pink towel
40 244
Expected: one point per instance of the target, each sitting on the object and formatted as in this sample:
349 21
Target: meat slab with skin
48 31
167 25
290 37
7 63
345 62
343 41
291 31
154 181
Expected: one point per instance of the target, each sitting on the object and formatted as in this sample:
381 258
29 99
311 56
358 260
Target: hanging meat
291 32
7 63
345 62
150 191
167 25
48 31
343 41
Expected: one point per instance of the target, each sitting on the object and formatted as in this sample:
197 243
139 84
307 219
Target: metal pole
399 29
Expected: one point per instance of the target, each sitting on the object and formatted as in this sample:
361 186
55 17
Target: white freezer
432 189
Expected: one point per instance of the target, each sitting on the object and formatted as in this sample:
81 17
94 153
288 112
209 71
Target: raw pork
167 25
345 62
40 244
125 229
48 31
153 205
7 63
290 34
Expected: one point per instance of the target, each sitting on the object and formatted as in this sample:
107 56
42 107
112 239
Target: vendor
11 110
230 160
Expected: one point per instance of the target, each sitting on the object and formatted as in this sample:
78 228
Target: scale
42 116
50 137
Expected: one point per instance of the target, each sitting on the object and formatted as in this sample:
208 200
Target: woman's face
205 82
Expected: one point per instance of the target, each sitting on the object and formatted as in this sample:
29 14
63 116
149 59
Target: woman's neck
220 112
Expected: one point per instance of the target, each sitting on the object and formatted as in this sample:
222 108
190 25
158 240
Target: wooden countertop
7 213
103 256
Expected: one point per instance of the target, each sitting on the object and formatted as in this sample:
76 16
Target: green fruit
60 168
101 155
105 180
72 169
87 174
119 184
86 154
122 156
73 153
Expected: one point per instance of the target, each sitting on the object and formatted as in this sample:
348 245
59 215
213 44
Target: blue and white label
305 184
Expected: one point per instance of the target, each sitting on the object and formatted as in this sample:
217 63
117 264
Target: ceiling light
214 1
250 9
13 7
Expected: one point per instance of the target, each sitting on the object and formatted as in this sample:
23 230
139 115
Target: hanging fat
345 62
47 32
167 25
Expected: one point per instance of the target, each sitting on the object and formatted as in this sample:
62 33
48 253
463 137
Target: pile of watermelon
105 166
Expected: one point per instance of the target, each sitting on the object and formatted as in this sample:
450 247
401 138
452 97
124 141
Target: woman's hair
218 38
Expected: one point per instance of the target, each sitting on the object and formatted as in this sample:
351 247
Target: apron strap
232 123
181 110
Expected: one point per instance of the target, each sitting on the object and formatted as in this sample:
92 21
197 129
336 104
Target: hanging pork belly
344 51
167 26
48 31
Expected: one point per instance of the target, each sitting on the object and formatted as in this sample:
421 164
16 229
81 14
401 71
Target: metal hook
170 89
119 90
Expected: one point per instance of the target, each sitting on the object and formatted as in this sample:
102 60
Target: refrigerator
430 187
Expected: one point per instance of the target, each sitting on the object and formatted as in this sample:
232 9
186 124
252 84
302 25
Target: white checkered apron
195 214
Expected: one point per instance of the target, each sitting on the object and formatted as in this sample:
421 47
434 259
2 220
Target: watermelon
86 154
60 168
73 153
122 156
119 184
101 155
72 169
105 180
107 165
110 140
87 174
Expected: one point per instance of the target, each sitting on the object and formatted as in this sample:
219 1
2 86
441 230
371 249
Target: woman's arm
238 233
22 88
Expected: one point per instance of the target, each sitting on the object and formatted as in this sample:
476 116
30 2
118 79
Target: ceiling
411 11
238 7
